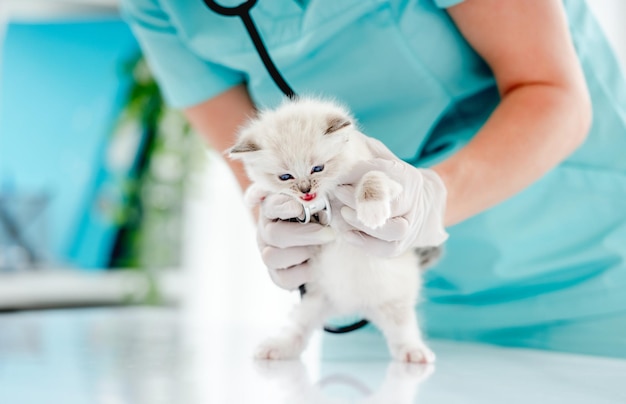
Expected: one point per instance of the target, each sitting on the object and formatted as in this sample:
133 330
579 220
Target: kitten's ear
336 122
244 146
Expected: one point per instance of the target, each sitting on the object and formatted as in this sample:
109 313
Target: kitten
302 149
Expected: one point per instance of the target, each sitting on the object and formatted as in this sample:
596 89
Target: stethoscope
243 11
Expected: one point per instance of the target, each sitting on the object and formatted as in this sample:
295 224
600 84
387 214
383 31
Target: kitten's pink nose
308 197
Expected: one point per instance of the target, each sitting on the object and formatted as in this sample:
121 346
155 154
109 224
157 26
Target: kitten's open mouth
308 197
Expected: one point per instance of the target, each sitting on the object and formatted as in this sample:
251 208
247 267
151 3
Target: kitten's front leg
307 315
374 194
398 322
254 195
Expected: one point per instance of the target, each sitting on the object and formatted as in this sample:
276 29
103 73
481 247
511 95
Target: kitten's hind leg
374 194
398 322
307 316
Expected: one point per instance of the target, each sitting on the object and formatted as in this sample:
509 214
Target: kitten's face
296 149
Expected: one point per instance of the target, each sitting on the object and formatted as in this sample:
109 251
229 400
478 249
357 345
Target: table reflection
400 384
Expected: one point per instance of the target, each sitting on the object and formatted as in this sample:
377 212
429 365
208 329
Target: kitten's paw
413 353
374 194
373 214
279 348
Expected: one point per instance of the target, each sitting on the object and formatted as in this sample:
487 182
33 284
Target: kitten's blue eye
285 177
317 169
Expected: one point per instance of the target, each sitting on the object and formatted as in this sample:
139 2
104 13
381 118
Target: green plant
150 220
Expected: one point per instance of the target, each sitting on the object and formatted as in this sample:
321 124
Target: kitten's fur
293 139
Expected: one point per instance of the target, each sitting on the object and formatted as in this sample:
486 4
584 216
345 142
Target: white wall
612 16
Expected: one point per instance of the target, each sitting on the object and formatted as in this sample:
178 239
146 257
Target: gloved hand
416 215
287 246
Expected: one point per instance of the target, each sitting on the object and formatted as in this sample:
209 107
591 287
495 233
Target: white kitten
302 149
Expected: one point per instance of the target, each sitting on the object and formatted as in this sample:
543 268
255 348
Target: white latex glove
287 246
416 215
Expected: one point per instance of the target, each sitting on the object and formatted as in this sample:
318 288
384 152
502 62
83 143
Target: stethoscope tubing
243 11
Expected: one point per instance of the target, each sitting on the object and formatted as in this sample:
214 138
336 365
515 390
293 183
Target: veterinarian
489 103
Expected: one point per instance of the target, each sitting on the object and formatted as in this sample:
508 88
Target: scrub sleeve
532 271
184 78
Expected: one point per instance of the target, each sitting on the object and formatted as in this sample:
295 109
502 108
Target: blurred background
98 178
106 195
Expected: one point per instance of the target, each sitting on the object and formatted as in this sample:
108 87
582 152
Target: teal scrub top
556 251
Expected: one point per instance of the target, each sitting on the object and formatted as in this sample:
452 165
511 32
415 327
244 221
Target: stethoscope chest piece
319 210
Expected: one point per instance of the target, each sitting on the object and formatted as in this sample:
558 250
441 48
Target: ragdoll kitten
302 149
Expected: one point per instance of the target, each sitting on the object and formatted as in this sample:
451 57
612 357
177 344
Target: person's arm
545 110
218 120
